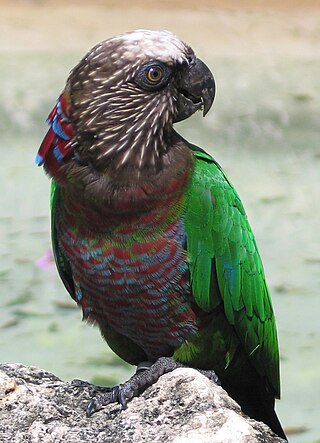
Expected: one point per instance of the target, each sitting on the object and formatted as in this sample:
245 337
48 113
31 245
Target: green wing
62 263
225 265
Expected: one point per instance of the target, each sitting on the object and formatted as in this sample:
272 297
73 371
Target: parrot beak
196 90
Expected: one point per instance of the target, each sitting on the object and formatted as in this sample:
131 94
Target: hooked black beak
196 90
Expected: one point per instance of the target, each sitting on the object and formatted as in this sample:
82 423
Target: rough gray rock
184 406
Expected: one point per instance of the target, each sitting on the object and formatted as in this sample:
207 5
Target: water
263 129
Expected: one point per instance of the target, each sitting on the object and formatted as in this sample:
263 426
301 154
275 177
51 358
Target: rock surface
184 406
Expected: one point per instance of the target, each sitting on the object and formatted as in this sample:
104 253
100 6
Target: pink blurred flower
46 261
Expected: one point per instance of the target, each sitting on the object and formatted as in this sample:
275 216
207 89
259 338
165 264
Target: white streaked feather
125 118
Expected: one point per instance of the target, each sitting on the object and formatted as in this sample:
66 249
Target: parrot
149 236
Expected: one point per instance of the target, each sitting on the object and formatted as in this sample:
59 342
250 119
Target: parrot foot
146 375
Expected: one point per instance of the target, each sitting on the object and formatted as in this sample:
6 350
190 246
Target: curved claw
116 395
93 406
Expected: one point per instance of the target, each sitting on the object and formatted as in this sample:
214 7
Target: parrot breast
140 291
132 274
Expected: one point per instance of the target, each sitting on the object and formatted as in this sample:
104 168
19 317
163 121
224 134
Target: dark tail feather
264 411
256 402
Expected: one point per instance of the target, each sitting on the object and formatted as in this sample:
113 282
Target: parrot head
120 102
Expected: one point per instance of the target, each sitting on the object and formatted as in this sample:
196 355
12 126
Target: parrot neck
105 200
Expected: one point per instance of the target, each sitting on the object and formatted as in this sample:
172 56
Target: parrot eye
153 76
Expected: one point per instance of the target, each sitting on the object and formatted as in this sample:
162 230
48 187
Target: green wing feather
62 263
225 265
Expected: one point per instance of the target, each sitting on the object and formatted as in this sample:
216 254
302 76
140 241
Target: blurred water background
263 129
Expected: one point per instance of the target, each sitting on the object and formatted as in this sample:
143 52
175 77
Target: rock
183 406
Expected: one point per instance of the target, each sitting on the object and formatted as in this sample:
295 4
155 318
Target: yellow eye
154 74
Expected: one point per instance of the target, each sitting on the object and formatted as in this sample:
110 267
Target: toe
93 406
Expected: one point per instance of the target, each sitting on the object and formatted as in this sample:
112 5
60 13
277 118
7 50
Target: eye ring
154 74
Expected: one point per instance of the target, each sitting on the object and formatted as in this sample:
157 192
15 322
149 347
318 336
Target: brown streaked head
127 92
